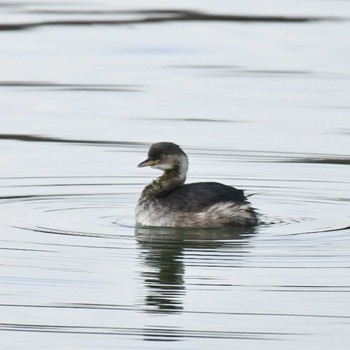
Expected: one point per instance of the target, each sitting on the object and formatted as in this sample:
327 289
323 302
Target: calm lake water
257 94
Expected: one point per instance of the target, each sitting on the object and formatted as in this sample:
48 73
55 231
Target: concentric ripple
72 252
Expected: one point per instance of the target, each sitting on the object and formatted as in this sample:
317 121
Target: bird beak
148 162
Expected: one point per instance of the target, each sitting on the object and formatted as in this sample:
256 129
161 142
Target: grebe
167 202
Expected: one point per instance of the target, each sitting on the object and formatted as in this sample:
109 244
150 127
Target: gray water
257 94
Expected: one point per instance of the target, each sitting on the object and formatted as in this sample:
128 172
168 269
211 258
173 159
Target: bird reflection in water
163 256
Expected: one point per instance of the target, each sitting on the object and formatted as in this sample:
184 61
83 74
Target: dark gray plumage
198 196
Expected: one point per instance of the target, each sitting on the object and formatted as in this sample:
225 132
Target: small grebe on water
167 202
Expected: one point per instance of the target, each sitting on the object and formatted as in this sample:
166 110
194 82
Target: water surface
257 97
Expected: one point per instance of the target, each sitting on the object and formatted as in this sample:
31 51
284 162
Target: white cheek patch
164 166
170 161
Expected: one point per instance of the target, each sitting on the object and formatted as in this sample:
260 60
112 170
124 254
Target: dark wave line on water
234 71
335 229
74 177
26 250
249 155
339 161
163 12
160 16
149 333
200 120
113 307
41 138
51 231
38 197
71 87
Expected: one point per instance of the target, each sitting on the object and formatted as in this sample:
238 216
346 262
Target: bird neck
170 180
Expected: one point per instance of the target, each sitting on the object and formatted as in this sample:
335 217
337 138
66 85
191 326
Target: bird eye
162 156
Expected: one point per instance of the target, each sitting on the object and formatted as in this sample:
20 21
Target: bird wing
197 196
